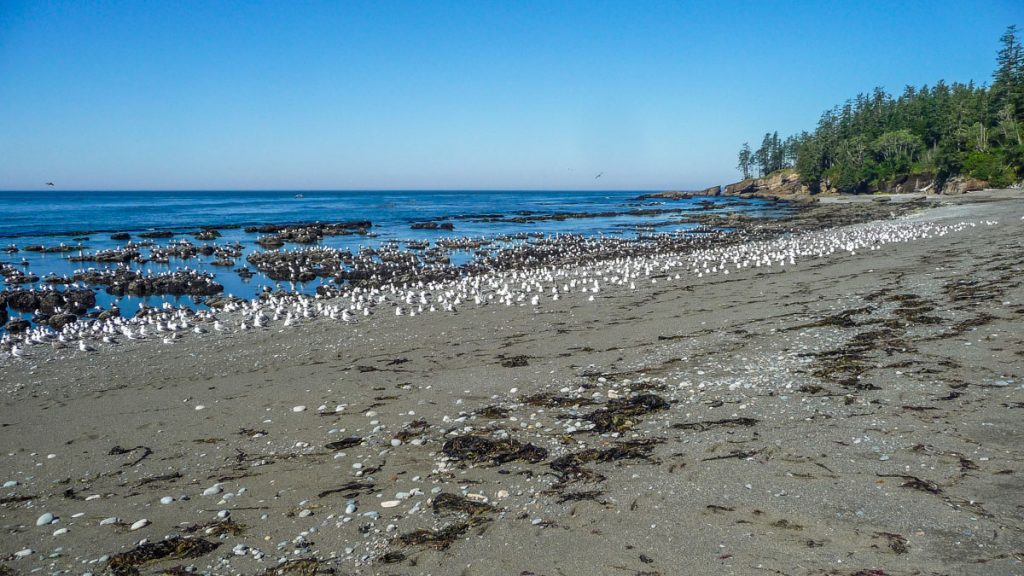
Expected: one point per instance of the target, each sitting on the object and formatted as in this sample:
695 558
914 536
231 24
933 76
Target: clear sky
447 95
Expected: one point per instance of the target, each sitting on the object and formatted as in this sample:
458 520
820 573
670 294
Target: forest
939 132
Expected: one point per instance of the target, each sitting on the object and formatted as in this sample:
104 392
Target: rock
138 525
213 490
121 236
963 184
16 325
109 520
59 321
747 186
23 300
24 553
390 503
45 519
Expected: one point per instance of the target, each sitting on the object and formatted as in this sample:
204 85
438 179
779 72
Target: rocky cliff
783 185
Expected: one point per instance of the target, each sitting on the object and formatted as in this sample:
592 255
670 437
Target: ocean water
86 220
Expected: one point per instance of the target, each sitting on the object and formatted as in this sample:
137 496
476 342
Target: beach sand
854 414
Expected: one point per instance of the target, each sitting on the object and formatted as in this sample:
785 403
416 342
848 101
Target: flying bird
50 184
599 174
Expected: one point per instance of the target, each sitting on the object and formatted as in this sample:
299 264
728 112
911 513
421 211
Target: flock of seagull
524 287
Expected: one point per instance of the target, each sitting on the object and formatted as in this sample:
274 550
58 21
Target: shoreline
853 411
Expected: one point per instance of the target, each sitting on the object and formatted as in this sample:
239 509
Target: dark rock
121 236
58 321
157 234
17 325
23 301
433 226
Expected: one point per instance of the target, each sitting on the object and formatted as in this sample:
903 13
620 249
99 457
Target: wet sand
853 414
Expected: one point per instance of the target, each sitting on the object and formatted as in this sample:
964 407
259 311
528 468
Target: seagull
599 174
50 184
85 347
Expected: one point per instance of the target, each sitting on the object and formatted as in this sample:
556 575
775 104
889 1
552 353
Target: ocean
85 221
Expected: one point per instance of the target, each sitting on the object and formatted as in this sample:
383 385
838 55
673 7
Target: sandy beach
855 413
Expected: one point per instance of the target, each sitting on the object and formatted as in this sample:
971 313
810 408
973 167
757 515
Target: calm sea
86 220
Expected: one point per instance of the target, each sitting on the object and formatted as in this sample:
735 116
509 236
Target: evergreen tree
745 160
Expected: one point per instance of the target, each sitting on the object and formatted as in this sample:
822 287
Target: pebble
140 524
167 500
110 520
396 442
215 489
24 553
299 409
223 514
45 519
350 508
305 513
60 531
390 503
10 484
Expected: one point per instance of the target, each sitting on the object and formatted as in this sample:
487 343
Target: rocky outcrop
783 185
681 194
963 184
908 184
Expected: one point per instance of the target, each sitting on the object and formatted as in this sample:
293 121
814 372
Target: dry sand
855 414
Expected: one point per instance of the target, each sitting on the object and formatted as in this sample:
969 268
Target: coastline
858 411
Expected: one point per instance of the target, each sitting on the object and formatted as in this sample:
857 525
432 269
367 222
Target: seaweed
216 528
621 415
786 525
580 496
915 483
117 451
480 449
515 361
707 425
446 502
738 454
897 543
571 466
344 443
175 548
552 400
349 490
493 412
412 430
436 539
298 567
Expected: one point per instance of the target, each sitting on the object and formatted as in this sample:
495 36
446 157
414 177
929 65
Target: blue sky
447 95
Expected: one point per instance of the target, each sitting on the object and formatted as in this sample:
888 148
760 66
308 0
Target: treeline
939 132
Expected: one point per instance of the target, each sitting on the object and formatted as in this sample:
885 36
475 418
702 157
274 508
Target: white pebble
389 503
45 519
215 489
299 409
140 524
60 531
167 500
24 553
110 520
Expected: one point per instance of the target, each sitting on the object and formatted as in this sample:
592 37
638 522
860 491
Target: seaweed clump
298 567
176 548
436 539
480 449
446 502
571 466
621 415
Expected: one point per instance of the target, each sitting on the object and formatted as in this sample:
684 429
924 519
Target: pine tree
745 160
